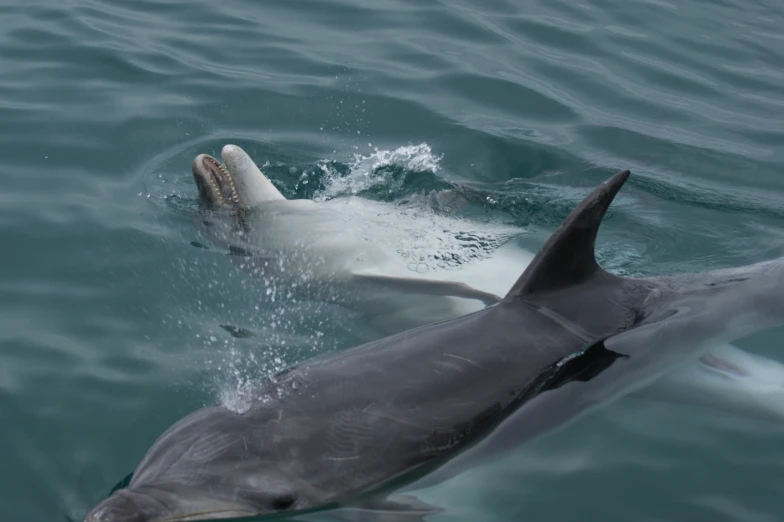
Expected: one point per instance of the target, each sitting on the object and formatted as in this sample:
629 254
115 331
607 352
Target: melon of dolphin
323 250
431 402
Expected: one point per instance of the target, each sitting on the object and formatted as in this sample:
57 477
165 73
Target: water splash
368 171
236 393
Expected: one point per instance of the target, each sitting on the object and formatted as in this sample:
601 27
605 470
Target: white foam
234 385
414 158
426 240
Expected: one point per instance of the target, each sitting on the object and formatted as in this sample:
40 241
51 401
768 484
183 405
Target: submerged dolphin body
327 251
431 402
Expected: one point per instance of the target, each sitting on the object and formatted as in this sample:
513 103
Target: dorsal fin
567 258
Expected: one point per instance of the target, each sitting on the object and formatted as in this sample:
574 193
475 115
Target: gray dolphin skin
430 402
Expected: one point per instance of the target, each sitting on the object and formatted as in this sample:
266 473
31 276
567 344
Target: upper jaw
215 183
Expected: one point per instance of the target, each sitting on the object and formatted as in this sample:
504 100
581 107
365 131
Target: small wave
368 171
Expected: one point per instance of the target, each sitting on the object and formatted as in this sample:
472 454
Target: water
113 323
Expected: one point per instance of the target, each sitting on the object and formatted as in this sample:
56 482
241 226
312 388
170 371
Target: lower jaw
211 515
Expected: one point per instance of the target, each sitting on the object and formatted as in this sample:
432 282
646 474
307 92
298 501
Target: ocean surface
117 317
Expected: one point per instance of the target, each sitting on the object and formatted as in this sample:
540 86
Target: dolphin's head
212 464
237 184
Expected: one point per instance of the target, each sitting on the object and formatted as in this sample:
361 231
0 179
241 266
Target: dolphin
428 403
326 250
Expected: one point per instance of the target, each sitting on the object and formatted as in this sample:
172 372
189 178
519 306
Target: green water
110 320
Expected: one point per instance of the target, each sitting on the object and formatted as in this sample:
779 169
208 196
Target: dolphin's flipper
428 287
123 483
728 379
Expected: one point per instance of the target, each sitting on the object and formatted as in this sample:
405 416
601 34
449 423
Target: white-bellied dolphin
333 251
325 251
430 402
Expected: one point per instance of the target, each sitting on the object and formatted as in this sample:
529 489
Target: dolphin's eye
283 501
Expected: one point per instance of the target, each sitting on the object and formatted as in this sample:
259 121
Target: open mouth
215 184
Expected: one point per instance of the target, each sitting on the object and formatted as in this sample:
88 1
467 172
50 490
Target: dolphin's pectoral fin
398 508
429 287
582 366
239 251
122 484
727 378
237 331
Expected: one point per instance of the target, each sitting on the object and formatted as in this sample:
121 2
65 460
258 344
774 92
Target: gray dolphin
333 251
430 402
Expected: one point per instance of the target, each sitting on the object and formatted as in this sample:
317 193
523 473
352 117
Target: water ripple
114 324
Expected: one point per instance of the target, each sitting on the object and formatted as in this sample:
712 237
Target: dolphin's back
354 419
393 405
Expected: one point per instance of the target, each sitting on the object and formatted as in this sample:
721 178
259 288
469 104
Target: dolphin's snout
252 185
122 507
159 505
230 150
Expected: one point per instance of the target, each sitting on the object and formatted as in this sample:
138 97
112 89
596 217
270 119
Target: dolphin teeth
229 181
232 186
217 191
